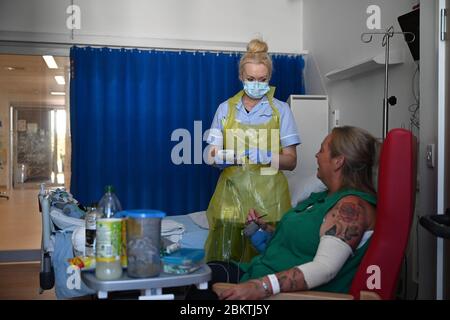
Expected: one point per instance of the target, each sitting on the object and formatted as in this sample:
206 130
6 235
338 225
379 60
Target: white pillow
302 190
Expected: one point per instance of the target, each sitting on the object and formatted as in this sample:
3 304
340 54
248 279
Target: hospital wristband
274 283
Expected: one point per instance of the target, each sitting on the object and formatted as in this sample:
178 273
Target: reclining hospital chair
395 207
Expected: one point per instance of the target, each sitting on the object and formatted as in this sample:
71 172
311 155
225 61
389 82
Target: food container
143 242
183 261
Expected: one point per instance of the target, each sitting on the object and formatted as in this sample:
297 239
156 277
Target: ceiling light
60 80
57 93
50 61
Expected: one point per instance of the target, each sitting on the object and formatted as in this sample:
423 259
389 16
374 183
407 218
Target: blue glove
260 239
259 156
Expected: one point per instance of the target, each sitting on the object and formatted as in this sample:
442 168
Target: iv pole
387 35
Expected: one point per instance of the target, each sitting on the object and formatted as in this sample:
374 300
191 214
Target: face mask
255 89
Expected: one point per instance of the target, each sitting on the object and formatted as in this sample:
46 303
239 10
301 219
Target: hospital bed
61 232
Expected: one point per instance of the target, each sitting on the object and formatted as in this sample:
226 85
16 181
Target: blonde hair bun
257 46
256 53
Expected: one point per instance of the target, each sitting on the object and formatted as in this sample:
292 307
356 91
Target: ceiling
31 81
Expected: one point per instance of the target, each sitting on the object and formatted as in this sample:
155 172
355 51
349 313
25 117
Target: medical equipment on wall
387 35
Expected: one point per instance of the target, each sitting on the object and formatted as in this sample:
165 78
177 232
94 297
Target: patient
319 243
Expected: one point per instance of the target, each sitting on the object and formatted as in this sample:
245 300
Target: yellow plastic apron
243 187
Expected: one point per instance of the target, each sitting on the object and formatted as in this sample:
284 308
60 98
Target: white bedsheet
199 218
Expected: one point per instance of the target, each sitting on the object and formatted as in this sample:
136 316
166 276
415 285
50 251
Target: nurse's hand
220 163
250 290
258 156
253 215
222 166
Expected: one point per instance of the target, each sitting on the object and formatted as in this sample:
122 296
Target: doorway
34 143
38 148
34 113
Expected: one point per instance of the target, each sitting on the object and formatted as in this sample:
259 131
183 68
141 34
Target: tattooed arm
345 224
291 280
347 221
250 290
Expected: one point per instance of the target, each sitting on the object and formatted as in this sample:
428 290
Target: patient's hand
250 290
253 215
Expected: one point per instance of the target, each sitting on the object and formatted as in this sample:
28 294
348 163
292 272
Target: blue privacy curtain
126 104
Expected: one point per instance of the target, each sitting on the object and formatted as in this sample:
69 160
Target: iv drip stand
387 35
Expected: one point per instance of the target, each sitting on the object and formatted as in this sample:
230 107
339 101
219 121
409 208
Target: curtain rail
83 44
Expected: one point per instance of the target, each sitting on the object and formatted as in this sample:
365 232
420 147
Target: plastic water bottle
108 249
109 204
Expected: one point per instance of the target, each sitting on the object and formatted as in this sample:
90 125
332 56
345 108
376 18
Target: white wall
158 23
332 31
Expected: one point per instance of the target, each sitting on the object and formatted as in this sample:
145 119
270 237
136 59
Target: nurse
262 134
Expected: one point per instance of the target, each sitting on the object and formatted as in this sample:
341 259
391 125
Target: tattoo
255 283
351 232
291 280
331 231
348 222
257 286
349 212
